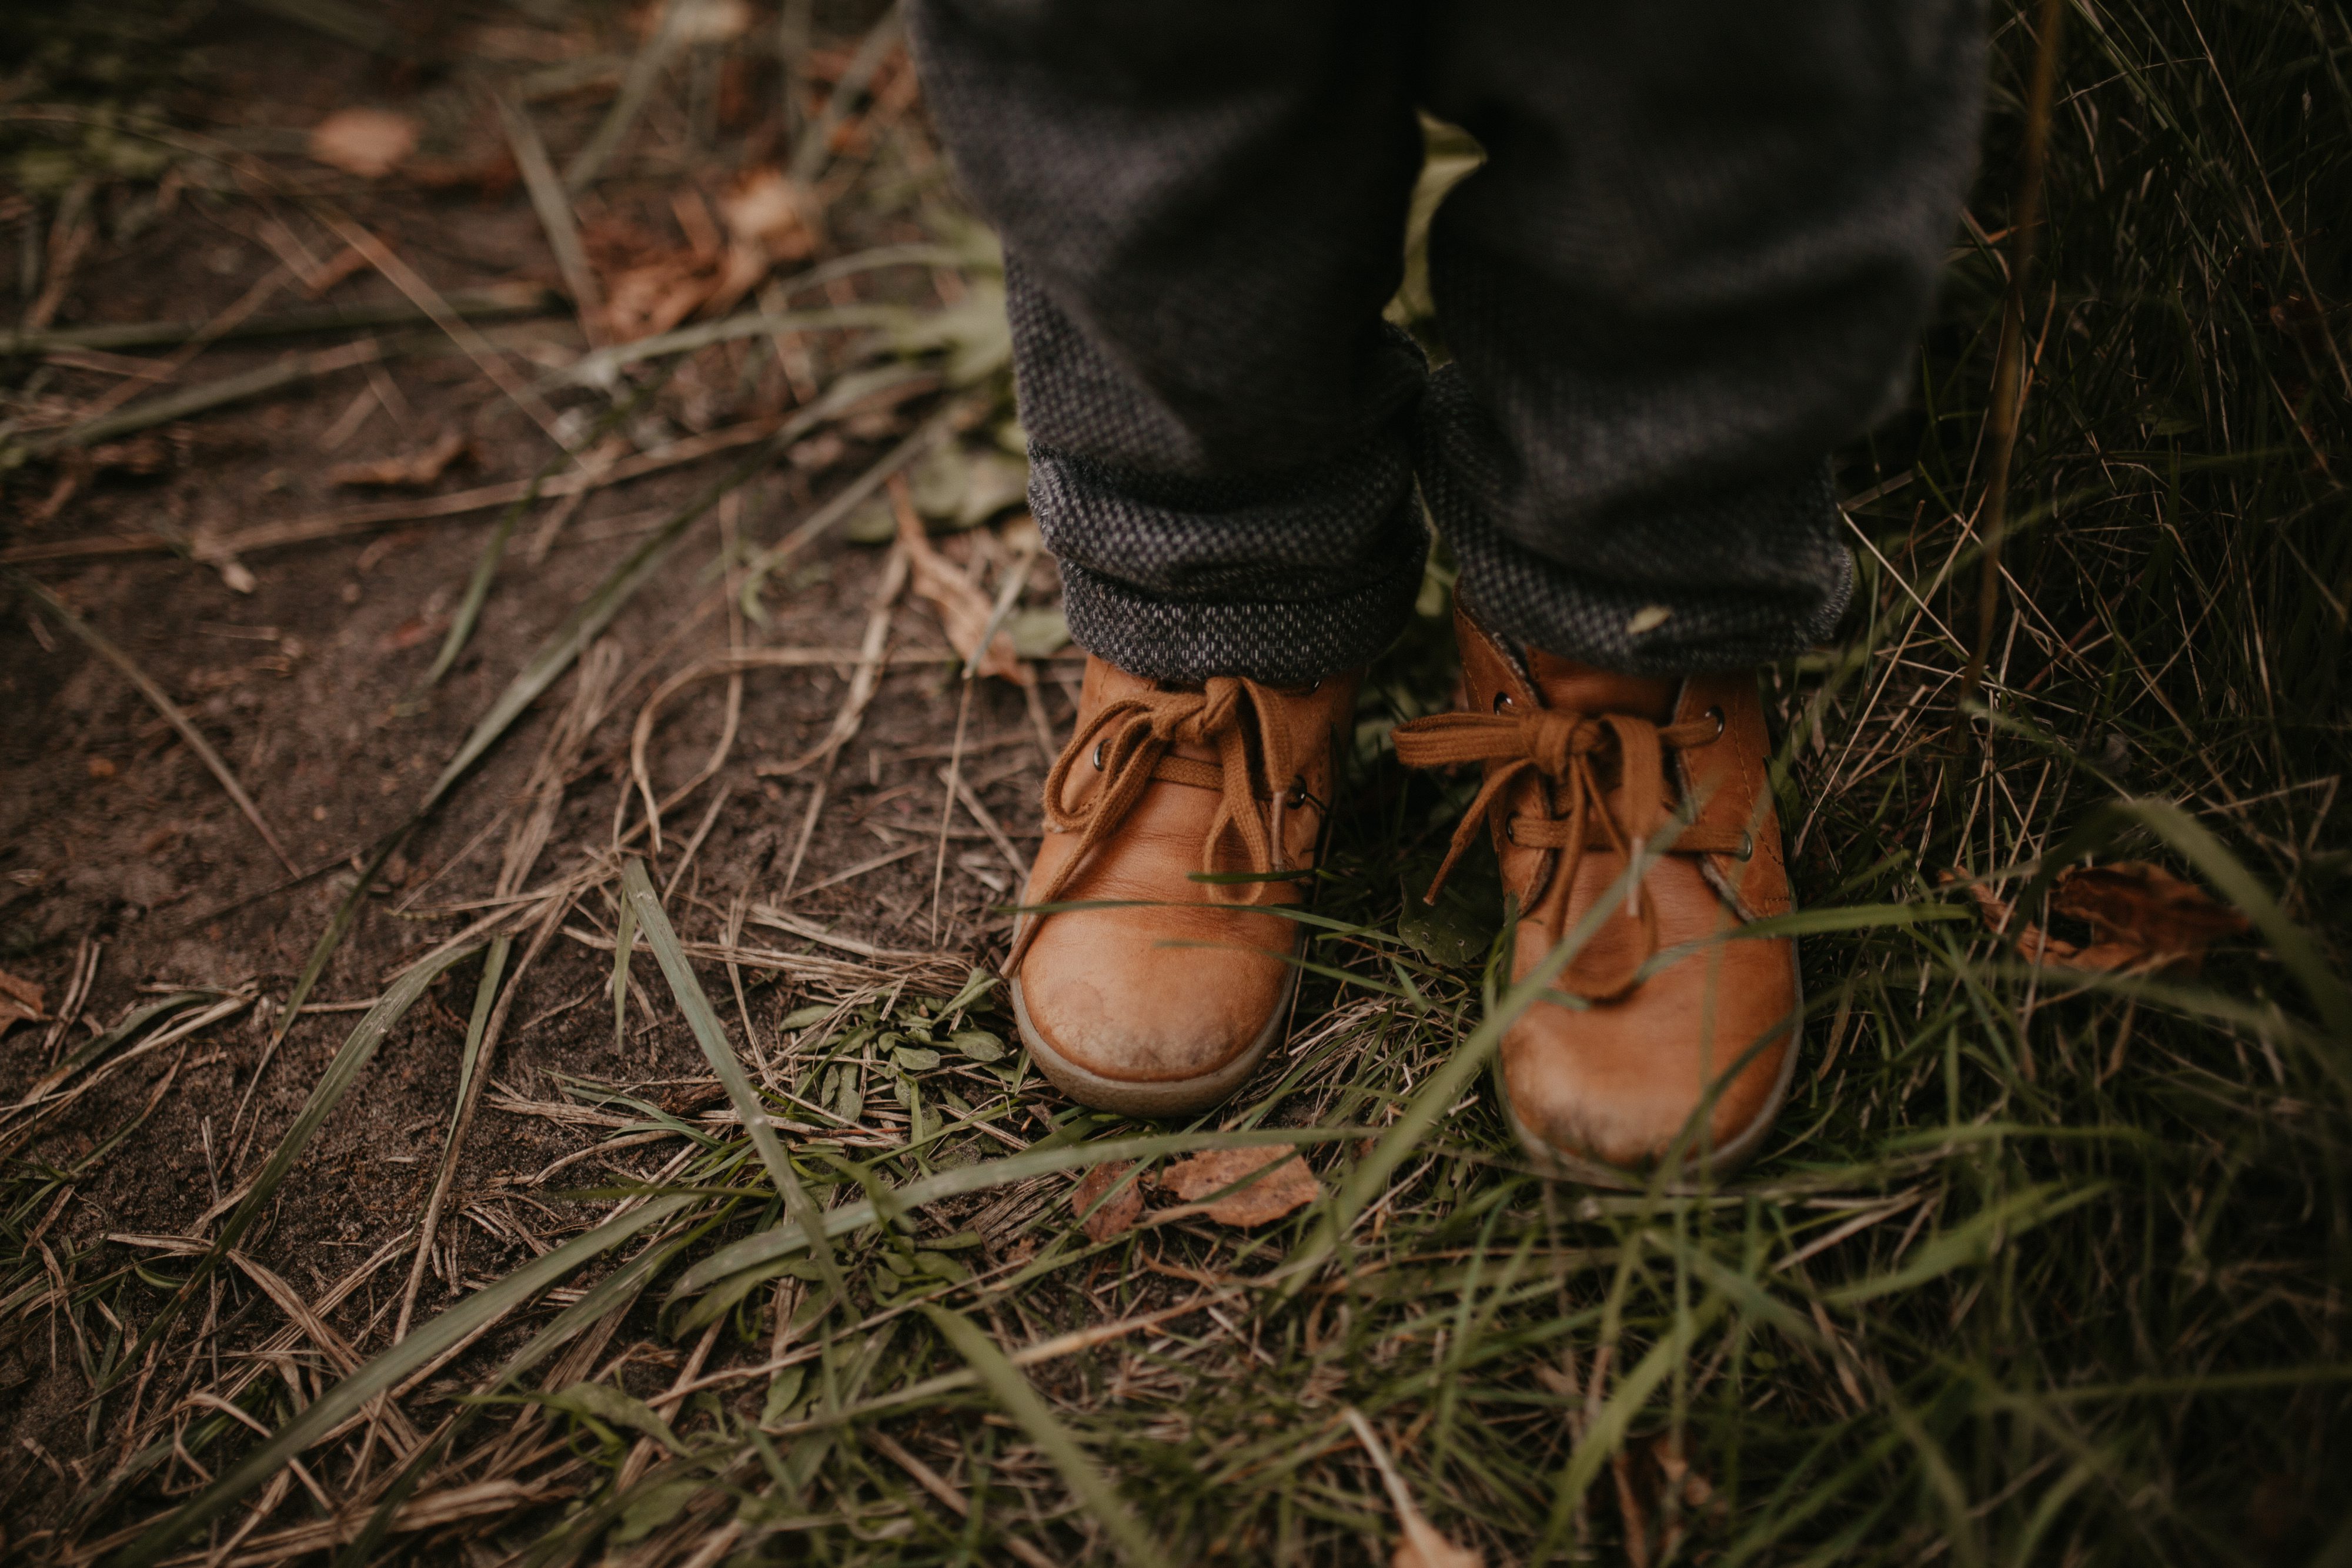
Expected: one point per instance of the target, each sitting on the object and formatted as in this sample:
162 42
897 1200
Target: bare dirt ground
129 872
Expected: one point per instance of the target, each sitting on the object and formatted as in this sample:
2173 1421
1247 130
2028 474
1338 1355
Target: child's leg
1202 207
1695 261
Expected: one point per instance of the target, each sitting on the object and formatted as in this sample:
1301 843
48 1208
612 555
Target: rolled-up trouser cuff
1719 580
1282 577
1513 591
1281 642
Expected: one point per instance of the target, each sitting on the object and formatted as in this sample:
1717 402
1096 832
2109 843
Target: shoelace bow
1560 748
1131 742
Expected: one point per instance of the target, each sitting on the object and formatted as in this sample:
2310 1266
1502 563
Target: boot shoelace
1131 743
1559 747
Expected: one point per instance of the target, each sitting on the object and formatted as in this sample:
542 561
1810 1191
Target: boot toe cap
1119 999
1616 1085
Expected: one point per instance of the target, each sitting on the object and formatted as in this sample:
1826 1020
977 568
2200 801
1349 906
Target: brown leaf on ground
1285 1190
964 610
2144 917
414 471
696 22
410 632
1113 1218
1995 912
369 142
764 208
1435 1551
769 219
651 282
656 297
490 177
20 1003
2144 906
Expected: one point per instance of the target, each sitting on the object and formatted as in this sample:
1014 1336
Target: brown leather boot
1167 1005
1662 1017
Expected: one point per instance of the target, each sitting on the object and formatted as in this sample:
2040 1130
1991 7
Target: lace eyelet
1746 845
1099 755
1297 796
1511 830
1717 713
1502 700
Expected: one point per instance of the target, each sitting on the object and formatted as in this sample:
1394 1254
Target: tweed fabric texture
1693 262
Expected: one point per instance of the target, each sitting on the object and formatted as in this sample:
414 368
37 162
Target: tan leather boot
1167 1005
1661 1017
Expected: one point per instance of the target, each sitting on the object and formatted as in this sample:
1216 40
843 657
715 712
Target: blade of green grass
1970 1241
625 942
1021 1402
614 1294
639 899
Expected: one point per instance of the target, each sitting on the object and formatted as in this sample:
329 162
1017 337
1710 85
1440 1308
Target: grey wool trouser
1693 262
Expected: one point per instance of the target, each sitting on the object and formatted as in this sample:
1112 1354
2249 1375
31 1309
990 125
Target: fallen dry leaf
491 175
697 21
2145 906
1115 1218
369 142
410 632
964 610
1285 1190
414 471
1436 1553
765 209
2143 917
651 282
20 1003
652 298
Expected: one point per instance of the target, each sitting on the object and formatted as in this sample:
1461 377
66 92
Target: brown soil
115 837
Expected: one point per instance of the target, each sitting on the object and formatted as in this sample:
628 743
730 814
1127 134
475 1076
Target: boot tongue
1570 687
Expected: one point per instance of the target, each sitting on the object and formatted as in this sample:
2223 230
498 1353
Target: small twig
931 1481
2007 374
69 238
644 71
169 406
979 813
863 682
494 300
794 27
377 515
164 704
814 149
1428 1543
203 337
427 298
